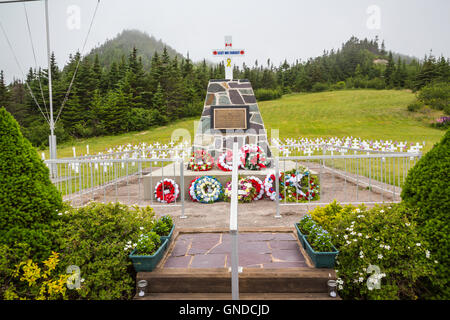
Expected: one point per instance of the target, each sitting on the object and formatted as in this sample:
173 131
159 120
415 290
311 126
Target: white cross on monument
227 55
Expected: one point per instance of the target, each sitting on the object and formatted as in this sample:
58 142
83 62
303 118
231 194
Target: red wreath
189 190
228 157
257 186
166 196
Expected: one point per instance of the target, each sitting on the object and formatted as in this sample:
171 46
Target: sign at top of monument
228 53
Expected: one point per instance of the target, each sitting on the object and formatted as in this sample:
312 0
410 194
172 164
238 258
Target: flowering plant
147 244
200 160
252 157
318 238
381 254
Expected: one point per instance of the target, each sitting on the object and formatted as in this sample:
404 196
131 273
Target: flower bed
317 242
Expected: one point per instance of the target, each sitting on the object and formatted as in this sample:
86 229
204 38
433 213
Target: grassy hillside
368 114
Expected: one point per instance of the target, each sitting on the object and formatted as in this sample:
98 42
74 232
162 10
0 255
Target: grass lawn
367 114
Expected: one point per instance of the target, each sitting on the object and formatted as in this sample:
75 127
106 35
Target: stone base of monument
172 171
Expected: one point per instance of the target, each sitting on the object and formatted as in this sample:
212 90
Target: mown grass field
367 114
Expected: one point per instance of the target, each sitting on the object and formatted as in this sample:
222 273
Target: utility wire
78 63
35 61
23 75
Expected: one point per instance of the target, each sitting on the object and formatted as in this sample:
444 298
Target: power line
21 70
66 97
34 56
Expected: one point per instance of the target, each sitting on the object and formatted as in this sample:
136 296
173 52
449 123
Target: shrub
40 283
168 221
318 238
94 238
29 202
268 94
161 228
427 189
442 123
319 87
376 83
139 119
415 106
436 95
381 240
338 86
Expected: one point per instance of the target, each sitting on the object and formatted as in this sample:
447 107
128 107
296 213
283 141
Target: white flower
340 287
367 237
380 256
357 210
418 244
361 279
427 254
407 224
359 234
82 280
387 247
345 236
435 261
59 213
141 228
381 211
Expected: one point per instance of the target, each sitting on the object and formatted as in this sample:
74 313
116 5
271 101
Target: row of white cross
342 145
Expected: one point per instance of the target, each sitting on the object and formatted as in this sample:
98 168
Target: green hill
368 114
113 49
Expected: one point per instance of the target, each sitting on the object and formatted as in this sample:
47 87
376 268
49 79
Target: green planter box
168 237
300 235
321 259
148 263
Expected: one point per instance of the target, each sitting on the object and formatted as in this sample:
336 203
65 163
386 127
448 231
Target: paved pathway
256 250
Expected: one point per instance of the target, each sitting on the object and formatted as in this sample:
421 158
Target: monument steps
242 296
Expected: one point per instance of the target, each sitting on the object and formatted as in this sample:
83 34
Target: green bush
139 119
338 86
436 95
268 94
381 239
415 106
29 202
376 83
427 188
319 87
98 239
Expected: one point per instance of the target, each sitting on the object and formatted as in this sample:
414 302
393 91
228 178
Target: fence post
234 227
277 188
183 216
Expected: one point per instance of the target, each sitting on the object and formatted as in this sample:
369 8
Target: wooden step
242 296
251 280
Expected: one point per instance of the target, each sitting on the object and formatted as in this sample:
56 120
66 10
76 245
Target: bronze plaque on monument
229 118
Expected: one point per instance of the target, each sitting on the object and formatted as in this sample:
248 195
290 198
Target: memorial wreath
200 160
167 191
252 157
206 189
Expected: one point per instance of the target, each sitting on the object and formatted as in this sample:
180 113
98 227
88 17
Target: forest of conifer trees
126 96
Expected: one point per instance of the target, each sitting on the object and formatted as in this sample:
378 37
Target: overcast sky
275 29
